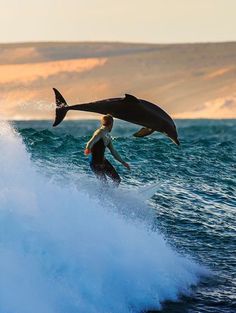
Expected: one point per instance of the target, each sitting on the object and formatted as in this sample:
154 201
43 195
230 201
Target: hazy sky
118 20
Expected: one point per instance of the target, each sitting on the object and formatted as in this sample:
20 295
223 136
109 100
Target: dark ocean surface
193 210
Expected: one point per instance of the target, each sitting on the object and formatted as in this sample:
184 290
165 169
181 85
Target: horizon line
116 42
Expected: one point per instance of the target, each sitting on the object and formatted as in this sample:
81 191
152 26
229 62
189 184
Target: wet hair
107 120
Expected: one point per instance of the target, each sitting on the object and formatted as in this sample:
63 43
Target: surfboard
148 191
145 192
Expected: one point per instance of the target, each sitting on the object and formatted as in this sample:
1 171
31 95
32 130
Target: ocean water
69 245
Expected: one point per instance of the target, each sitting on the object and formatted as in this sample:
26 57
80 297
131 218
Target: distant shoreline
94 119
187 80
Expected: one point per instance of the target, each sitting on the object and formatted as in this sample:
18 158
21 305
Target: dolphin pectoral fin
131 98
144 131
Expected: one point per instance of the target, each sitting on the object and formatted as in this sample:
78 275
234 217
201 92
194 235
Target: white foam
63 251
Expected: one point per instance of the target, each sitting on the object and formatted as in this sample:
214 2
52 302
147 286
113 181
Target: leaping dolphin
129 108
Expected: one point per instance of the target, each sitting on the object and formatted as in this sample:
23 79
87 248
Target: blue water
84 254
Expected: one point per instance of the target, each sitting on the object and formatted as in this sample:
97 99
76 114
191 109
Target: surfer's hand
126 165
87 151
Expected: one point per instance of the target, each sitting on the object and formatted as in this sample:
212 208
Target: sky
152 21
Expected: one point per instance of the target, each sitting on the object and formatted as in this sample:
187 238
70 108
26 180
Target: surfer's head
107 121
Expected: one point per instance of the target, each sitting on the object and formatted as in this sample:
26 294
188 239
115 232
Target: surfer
96 147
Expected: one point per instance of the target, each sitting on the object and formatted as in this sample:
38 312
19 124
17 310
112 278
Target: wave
63 250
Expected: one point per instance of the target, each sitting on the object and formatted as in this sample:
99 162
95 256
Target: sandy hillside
187 80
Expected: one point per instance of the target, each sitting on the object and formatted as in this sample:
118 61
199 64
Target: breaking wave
65 251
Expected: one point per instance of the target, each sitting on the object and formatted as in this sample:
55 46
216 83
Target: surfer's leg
110 171
98 171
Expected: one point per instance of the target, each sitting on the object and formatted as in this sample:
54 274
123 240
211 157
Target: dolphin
129 108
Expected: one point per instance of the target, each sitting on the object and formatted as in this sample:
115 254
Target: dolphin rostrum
129 108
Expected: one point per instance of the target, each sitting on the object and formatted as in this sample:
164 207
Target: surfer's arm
95 138
115 153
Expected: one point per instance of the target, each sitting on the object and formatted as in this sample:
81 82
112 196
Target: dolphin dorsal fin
131 98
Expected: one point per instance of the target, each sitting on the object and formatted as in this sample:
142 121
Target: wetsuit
98 163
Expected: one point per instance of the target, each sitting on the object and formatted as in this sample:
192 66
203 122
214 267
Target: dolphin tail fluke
144 131
61 108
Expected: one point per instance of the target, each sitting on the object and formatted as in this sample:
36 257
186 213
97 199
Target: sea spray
63 251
